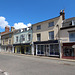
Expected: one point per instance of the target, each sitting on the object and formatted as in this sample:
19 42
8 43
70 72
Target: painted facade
46 37
7 42
67 36
53 37
23 40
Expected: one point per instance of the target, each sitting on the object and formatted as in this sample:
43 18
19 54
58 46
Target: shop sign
73 46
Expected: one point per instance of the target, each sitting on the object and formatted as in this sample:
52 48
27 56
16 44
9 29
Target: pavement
19 64
45 57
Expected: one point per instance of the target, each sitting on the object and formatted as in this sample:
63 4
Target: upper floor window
3 42
25 29
51 24
6 40
22 38
38 37
16 38
29 37
71 36
38 27
10 35
9 41
51 35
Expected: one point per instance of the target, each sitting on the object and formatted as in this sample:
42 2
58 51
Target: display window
40 49
48 50
54 49
68 51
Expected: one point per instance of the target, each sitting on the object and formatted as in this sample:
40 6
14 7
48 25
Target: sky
23 13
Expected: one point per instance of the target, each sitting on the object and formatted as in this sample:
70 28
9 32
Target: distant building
7 40
67 36
23 40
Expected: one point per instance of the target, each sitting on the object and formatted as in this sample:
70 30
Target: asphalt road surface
29 65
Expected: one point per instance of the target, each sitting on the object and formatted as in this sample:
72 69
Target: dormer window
22 30
25 29
73 22
19 30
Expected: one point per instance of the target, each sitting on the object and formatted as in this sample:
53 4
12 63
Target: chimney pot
7 29
12 28
62 13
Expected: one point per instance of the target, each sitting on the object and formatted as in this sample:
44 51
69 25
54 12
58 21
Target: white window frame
49 36
38 27
51 24
71 38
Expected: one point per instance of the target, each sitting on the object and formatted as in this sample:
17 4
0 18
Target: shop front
22 48
7 48
47 48
68 50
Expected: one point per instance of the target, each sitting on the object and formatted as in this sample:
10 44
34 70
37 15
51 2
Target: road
29 65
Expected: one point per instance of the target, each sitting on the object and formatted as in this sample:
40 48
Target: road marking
5 73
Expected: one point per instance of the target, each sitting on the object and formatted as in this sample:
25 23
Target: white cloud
21 25
3 23
29 24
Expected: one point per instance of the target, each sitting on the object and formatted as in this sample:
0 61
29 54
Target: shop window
40 49
54 49
18 49
51 35
68 51
28 50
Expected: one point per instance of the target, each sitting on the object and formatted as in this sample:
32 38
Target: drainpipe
59 41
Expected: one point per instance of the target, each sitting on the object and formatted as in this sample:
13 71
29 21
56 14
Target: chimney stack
12 28
62 13
7 29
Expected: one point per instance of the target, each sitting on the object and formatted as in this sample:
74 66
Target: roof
67 23
46 20
69 19
7 33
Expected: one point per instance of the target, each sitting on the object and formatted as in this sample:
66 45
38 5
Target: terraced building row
54 37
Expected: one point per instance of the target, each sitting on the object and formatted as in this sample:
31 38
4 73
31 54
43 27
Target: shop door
47 50
22 50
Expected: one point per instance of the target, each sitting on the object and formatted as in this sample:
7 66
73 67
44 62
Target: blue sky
26 12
